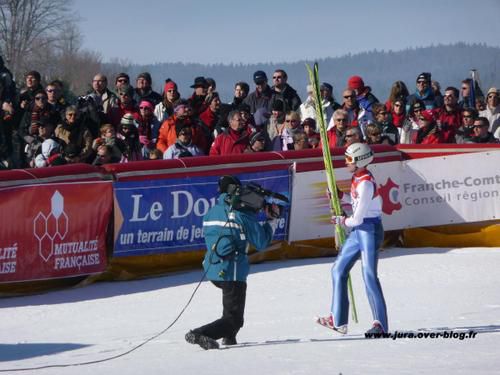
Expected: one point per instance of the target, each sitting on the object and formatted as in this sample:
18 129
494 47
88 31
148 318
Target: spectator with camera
449 117
103 96
229 229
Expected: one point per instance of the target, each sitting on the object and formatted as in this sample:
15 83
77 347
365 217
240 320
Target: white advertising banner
415 193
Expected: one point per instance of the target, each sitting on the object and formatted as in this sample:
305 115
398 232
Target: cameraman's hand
272 211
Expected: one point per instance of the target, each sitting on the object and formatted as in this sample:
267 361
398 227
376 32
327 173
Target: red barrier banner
54 231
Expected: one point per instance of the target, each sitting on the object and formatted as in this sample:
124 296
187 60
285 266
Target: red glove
143 139
51 159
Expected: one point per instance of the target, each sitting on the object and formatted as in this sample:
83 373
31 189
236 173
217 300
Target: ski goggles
349 159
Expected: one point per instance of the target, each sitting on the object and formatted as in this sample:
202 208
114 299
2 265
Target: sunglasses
421 82
417 110
383 113
277 77
40 98
349 96
397 105
341 119
122 80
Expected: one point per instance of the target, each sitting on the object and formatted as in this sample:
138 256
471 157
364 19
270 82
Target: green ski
335 207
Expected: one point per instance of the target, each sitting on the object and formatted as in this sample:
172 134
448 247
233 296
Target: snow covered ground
425 289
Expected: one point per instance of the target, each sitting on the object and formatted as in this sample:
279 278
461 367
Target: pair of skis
335 207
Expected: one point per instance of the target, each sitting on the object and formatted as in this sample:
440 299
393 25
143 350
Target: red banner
53 231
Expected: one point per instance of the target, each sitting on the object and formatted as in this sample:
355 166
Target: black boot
204 341
229 341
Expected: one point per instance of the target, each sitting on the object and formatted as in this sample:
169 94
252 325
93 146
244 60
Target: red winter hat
169 86
428 115
355 82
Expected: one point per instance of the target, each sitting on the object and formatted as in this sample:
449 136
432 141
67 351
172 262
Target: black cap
146 76
278 105
228 183
199 82
326 86
72 150
259 77
257 136
243 107
180 125
424 77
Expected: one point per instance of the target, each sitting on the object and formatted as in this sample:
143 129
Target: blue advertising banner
166 216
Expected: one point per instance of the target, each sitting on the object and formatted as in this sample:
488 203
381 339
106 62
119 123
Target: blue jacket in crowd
227 241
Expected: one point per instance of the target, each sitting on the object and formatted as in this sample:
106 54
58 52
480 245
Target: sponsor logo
50 227
390 197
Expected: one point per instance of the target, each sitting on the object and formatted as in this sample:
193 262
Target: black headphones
228 184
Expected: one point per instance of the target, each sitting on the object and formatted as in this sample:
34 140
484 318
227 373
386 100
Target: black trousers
233 303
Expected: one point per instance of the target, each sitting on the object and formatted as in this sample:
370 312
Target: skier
228 232
364 240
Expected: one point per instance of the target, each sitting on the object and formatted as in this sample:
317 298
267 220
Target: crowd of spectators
130 121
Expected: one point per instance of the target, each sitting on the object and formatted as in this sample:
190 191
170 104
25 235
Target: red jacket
230 142
449 123
116 113
433 136
209 118
335 139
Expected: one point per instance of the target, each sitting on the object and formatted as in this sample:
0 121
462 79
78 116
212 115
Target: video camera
253 197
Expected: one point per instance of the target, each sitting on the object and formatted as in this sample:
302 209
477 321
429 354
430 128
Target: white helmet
360 154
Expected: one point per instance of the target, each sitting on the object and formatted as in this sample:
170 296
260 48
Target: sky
260 31
427 290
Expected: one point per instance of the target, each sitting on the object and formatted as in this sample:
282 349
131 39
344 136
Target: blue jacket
227 241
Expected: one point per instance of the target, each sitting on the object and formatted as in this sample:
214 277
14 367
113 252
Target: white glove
338 220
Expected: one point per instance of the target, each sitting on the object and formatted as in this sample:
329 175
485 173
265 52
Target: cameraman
228 234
